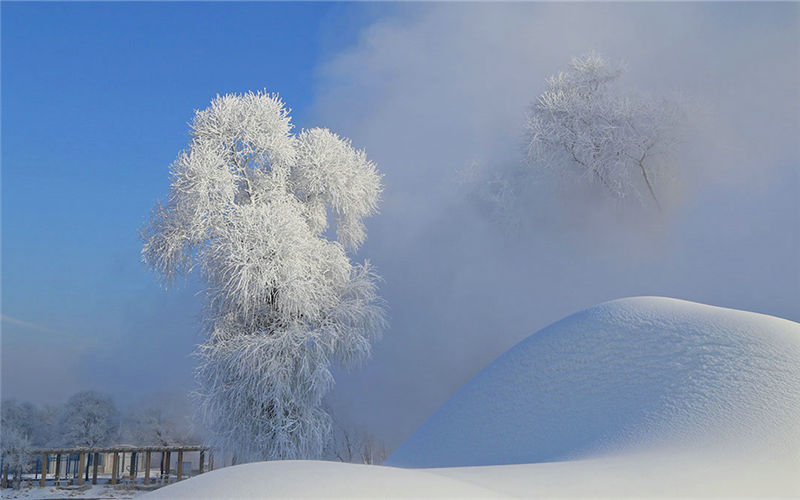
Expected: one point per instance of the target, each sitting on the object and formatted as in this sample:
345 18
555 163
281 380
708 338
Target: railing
114 451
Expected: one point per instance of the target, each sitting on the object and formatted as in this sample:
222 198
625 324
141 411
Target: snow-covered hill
645 374
639 397
631 475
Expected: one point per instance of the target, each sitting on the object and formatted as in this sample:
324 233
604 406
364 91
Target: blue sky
95 104
96 98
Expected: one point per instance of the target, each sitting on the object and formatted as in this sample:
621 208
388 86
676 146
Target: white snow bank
314 479
632 475
636 397
645 375
638 475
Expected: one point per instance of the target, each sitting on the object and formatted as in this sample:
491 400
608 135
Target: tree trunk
649 186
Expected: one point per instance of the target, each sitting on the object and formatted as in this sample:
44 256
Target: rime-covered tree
45 432
15 449
16 428
249 207
354 445
89 419
155 425
21 416
585 123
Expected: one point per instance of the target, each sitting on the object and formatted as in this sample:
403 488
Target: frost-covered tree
45 432
352 445
249 207
154 425
16 427
21 416
89 419
15 450
585 123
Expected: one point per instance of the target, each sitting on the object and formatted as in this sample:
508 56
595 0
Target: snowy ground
636 397
634 475
76 492
319 479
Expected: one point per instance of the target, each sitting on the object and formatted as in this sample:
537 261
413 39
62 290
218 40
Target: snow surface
644 374
310 479
631 475
638 397
87 492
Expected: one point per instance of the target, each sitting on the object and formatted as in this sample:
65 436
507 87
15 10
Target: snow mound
316 479
633 375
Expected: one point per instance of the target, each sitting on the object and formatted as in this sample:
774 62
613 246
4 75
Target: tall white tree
89 419
249 207
586 123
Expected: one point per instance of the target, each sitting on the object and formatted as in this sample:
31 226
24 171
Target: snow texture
642 375
85 492
637 475
314 479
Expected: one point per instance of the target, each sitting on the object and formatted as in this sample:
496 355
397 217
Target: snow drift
637 397
315 479
638 375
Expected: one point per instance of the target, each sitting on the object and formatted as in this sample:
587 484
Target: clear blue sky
96 98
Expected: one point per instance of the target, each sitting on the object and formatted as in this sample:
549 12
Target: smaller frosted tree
15 447
89 419
21 416
585 123
16 427
150 424
45 431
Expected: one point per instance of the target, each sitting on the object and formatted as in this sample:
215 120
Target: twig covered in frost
583 123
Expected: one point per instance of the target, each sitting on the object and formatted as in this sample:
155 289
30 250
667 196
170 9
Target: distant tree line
88 419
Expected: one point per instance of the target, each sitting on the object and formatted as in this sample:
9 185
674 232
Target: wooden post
180 464
114 467
58 466
147 467
95 461
5 476
210 460
18 477
134 465
202 461
82 468
44 470
167 467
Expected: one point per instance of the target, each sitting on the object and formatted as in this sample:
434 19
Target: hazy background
426 89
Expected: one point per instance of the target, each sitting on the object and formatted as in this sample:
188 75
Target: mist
429 90
436 88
